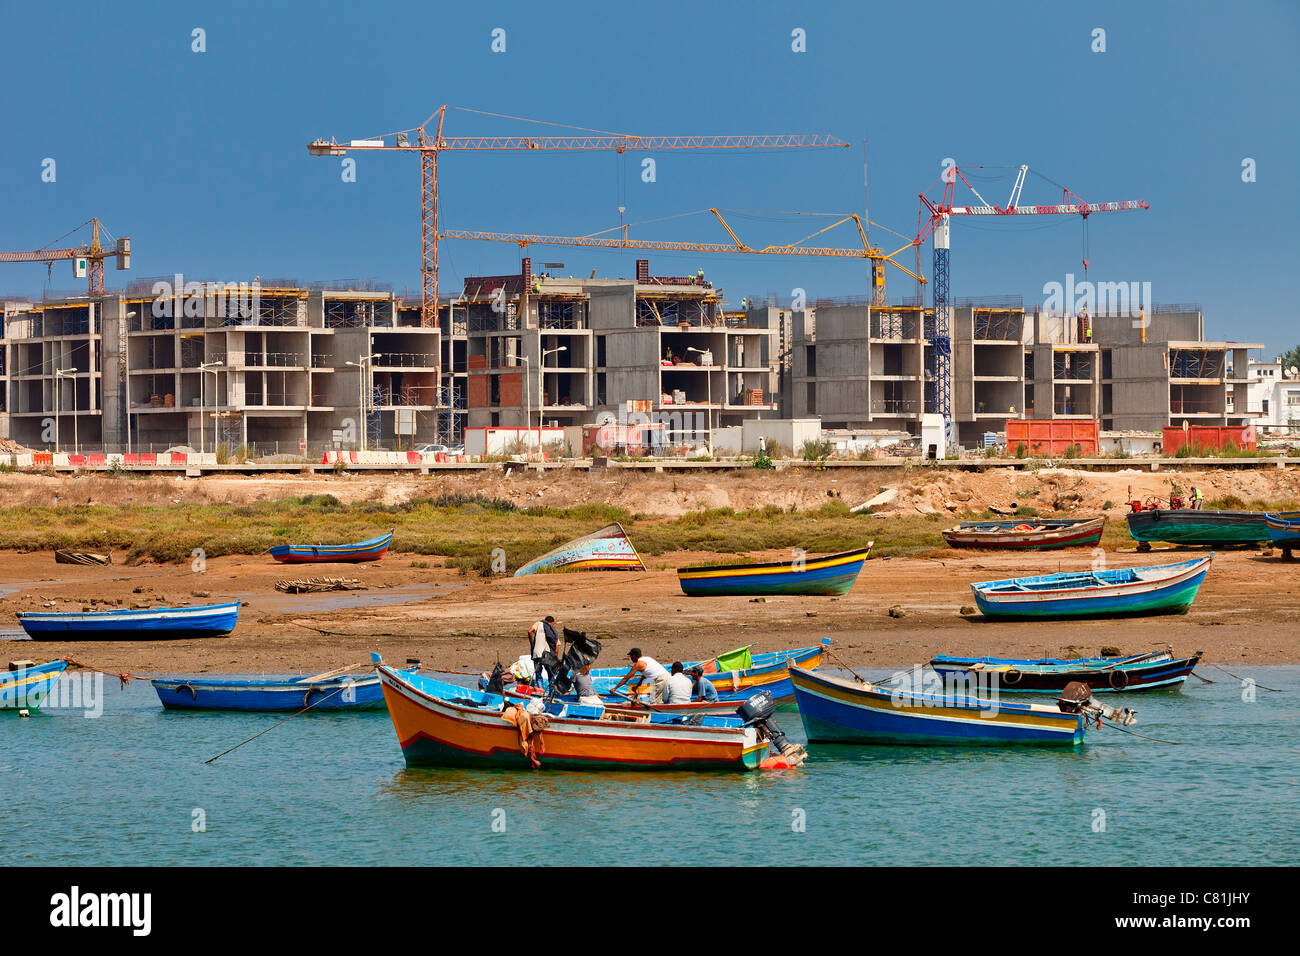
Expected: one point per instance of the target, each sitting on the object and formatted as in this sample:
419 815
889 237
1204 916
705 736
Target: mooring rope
124 676
1232 675
1173 743
274 725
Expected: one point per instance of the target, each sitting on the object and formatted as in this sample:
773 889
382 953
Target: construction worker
1198 499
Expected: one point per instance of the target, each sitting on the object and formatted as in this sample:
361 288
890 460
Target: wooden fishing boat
1192 526
1284 530
440 724
332 690
1034 534
622 702
1164 589
835 710
605 550
155 624
371 550
738 674
25 687
832 574
1150 671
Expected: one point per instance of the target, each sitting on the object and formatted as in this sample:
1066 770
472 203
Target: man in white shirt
678 689
645 669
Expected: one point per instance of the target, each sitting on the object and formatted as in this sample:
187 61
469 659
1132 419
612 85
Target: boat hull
1157 672
1172 594
27 689
1078 534
185 693
608 549
215 620
836 711
1189 526
831 575
1284 529
439 732
371 550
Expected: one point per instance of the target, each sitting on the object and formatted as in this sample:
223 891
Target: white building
1274 394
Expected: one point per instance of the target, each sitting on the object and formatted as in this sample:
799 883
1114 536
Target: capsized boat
160 623
1118 592
835 710
1195 526
1033 534
831 574
605 550
332 690
441 724
24 686
370 550
1149 671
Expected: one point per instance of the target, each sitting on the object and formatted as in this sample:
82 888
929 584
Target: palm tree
1290 359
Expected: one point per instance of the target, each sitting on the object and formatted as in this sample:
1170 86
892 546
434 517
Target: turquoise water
123 788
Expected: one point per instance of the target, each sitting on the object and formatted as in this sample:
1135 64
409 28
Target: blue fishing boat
371 550
831 574
1150 671
1284 530
160 623
332 690
835 710
1119 592
24 688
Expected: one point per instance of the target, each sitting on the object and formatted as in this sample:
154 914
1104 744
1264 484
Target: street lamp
528 402
708 381
360 366
541 400
203 405
59 374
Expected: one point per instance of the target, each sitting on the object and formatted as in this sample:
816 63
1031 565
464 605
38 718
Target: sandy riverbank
1248 612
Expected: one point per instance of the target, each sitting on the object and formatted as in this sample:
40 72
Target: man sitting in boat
585 689
701 687
644 669
678 688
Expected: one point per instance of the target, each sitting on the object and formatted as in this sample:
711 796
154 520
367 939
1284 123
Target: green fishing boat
1193 526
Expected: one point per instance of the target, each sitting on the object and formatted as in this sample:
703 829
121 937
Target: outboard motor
757 712
1077 698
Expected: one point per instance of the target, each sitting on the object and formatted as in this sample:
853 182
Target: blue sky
201 158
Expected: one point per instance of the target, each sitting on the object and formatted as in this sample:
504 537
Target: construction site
290 368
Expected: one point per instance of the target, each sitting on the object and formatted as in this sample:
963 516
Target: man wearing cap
701 687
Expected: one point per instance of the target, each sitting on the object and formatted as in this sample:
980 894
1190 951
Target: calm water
122 789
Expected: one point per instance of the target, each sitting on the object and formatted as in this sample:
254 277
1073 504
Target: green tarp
737 660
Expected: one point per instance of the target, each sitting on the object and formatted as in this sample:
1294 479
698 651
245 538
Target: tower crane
429 145
599 240
934 219
89 259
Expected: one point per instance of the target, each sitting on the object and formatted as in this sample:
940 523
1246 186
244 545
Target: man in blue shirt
702 689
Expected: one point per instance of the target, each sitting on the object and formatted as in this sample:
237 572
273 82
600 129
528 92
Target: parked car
423 450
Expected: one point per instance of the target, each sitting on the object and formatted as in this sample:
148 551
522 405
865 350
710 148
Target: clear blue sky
201 158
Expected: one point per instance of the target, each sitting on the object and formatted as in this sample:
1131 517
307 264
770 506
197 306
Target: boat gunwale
842 557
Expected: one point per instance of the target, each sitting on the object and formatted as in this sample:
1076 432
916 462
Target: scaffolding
374 417
1072 365
1196 363
998 325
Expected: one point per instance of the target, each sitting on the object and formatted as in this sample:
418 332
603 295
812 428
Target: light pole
708 383
203 405
541 400
59 374
360 366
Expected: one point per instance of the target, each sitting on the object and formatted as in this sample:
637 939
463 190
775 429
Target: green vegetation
465 528
817 449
